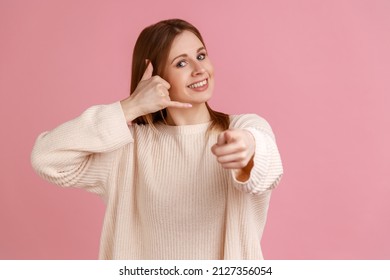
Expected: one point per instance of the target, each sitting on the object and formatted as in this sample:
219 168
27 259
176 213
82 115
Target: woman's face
189 70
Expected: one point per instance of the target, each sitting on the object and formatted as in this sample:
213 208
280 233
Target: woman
180 180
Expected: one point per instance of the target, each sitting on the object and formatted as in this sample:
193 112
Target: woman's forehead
185 43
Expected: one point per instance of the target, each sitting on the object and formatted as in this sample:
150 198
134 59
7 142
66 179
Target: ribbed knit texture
167 196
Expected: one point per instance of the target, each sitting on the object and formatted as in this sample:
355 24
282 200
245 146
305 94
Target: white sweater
166 195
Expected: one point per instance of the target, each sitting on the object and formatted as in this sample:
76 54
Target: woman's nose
198 68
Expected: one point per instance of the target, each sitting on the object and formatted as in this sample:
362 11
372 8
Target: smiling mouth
198 84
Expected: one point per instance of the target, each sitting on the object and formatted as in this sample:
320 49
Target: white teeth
200 84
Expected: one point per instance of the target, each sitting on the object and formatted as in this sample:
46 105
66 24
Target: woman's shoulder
249 120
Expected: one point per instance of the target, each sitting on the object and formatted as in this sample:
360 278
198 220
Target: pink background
318 71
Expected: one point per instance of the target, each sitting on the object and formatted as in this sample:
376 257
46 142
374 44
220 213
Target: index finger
162 82
227 149
177 104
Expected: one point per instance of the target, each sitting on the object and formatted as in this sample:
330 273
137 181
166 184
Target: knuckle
162 104
242 156
156 80
243 145
240 145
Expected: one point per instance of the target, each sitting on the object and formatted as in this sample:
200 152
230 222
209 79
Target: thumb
221 139
148 72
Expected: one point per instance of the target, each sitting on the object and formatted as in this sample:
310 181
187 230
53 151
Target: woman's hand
151 95
235 149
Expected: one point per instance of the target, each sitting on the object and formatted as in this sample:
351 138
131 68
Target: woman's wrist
130 110
244 174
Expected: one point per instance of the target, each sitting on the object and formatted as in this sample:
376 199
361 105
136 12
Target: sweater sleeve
76 153
268 169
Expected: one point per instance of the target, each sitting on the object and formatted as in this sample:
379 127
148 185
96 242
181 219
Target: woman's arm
249 149
77 153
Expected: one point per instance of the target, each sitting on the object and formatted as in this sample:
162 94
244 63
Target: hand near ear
235 149
151 95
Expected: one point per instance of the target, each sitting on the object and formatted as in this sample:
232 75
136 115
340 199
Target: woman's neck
197 114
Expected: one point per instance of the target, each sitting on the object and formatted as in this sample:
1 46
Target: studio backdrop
318 71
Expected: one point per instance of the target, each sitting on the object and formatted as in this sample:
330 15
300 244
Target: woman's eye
181 64
201 56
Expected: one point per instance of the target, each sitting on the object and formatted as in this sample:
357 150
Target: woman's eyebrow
186 55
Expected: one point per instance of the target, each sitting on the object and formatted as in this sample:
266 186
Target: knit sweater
166 195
